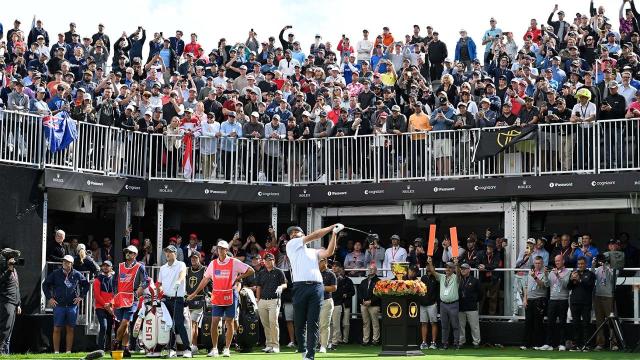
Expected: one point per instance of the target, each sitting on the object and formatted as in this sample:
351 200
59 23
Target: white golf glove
338 228
279 290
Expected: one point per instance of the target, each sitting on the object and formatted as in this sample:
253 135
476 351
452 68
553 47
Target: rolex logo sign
413 310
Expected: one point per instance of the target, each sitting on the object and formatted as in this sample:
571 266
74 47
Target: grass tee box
364 353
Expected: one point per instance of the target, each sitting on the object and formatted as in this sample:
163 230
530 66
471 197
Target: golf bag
247 334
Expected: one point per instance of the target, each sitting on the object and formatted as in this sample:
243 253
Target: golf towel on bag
248 321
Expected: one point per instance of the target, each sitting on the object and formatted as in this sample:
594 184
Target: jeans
105 320
307 299
175 305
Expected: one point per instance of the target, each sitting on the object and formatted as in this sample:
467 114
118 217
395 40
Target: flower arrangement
399 288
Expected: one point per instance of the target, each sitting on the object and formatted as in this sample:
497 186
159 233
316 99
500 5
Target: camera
6 255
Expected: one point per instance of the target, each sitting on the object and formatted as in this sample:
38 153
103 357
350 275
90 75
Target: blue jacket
65 288
471 47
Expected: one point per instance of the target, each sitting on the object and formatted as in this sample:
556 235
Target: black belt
273 298
449 303
306 283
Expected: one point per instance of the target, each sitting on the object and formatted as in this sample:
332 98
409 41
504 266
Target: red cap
193 236
135 242
173 239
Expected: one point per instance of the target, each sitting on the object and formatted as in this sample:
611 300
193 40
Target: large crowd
573 71
472 284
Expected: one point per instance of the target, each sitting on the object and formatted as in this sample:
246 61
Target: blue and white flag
59 131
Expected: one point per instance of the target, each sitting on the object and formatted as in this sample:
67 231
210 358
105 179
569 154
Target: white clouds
331 18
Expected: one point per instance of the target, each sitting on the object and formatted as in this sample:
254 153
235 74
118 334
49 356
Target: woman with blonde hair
447 86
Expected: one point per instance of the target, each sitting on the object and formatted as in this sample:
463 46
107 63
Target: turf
364 353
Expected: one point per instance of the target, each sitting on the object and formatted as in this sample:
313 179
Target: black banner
60 179
472 189
492 143
218 192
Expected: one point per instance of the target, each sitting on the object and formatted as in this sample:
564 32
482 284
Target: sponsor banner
134 188
84 182
218 192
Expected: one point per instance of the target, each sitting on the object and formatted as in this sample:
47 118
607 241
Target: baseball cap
223 244
255 114
613 84
269 256
465 266
531 241
395 237
293 228
132 249
68 258
107 262
395 108
171 248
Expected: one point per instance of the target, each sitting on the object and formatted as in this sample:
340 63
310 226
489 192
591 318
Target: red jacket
103 290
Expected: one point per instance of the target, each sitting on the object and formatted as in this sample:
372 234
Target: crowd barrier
565 148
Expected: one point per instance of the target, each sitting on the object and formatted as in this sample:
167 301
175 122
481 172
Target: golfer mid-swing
307 283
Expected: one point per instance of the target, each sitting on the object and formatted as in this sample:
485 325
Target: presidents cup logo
165 189
413 310
267 194
504 138
603 183
524 185
563 184
484 187
58 179
408 190
94 183
336 193
443 189
394 310
373 192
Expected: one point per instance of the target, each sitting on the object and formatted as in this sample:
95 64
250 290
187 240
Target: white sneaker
545 347
275 350
424 346
226 352
562 348
172 354
266 349
598 348
615 348
291 345
323 350
523 347
537 348
187 354
142 352
213 353
194 349
433 346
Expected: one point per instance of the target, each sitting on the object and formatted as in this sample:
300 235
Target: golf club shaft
358 230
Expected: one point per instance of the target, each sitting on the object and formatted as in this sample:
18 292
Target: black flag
493 142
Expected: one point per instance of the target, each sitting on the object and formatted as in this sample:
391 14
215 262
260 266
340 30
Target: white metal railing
619 145
452 154
20 138
352 158
565 148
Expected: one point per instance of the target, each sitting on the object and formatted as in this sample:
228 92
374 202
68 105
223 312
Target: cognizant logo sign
603 183
484 187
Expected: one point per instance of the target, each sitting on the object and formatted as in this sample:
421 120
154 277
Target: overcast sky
212 20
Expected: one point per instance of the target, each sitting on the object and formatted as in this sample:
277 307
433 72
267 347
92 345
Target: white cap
306 113
68 258
255 114
223 244
132 249
130 107
86 97
148 112
81 247
531 241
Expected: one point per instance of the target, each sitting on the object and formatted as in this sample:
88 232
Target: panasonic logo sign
336 193
603 183
555 184
94 183
443 189
215 192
